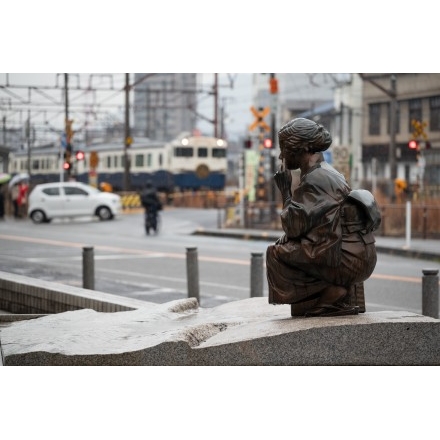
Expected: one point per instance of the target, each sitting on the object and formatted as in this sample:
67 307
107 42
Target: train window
139 160
218 152
183 152
202 152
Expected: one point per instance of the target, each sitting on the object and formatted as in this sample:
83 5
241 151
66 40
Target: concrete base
247 332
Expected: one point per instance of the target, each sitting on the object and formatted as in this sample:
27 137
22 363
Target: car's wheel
104 213
38 216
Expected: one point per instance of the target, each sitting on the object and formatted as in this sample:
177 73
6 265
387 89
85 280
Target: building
164 105
386 154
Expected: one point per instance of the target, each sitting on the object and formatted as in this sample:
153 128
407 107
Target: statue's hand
283 180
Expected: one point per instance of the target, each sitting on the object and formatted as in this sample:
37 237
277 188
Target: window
183 152
115 161
109 162
374 119
160 159
74 191
414 112
139 160
434 113
35 164
202 152
397 117
149 160
51 191
219 152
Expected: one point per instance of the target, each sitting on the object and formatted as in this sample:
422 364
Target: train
188 162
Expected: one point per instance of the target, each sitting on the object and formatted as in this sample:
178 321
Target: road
153 268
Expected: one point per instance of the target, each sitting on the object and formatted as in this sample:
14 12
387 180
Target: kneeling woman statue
328 246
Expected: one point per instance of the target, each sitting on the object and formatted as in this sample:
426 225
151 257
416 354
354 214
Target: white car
71 199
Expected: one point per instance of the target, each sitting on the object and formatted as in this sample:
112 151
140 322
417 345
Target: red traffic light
79 155
247 143
66 165
414 145
267 143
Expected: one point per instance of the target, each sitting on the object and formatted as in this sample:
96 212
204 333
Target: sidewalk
424 249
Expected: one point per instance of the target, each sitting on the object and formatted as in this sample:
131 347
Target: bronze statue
328 248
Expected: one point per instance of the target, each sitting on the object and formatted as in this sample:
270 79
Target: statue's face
291 158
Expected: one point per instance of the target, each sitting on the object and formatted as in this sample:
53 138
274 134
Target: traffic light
413 144
247 143
79 155
267 143
67 166
427 145
273 83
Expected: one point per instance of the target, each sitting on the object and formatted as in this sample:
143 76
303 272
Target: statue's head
304 135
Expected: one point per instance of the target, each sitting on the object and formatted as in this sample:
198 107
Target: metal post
408 225
430 293
88 268
256 274
219 218
192 273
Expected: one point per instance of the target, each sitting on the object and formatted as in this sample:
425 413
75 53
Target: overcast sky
234 95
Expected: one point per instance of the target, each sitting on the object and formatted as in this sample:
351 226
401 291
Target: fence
425 219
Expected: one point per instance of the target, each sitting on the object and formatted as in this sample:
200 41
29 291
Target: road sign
259 115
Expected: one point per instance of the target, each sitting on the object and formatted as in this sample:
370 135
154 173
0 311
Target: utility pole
393 111
215 104
273 85
128 139
28 139
67 128
392 93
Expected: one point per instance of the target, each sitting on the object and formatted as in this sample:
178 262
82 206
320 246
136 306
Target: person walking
151 203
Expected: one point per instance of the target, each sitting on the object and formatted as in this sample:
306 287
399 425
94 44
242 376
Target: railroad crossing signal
259 121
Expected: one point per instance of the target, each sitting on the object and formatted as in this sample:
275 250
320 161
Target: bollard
219 218
430 293
88 268
192 273
256 274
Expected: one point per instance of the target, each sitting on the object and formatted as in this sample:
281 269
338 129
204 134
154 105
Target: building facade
417 103
164 105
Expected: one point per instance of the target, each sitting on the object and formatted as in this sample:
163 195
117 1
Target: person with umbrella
2 202
4 177
15 192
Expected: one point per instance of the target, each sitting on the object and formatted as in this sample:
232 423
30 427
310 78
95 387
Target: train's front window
183 152
202 152
218 152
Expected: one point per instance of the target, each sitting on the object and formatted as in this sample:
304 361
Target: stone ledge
247 332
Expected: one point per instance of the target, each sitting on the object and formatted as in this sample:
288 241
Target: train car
188 162
198 162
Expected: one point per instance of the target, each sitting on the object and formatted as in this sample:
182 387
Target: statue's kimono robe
327 241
